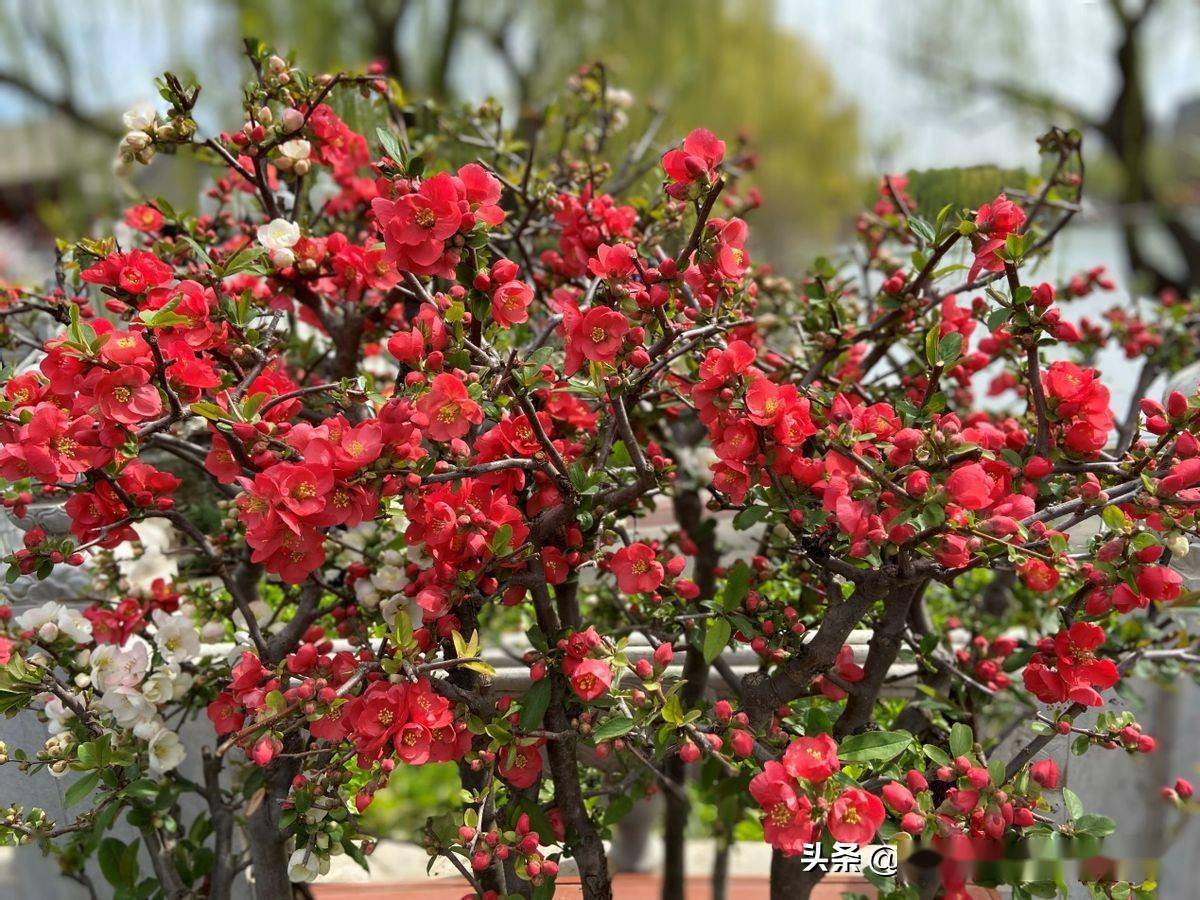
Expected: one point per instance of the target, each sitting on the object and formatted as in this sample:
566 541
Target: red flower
125 348
416 227
520 766
450 410
595 335
787 816
295 488
144 218
1039 576
226 714
994 222
482 191
412 743
699 157
290 555
1045 773
591 679
899 798
612 261
637 570
812 758
1159 582
763 402
510 303
126 396
135 272
970 486
855 816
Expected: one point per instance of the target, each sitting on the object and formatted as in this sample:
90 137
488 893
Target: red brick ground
625 887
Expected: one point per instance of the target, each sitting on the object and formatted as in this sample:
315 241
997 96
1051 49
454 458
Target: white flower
260 609
114 667
52 619
365 593
74 625
41 619
388 579
619 97
279 234
127 705
296 149
58 714
140 116
292 120
159 687
181 683
148 728
175 636
166 751
282 258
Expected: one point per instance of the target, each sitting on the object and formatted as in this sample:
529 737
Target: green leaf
613 728
961 740
874 746
534 704
242 260
737 586
716 638
998 317
1073 804
1099 826
949 348
502 541
937 755
921 229
110 854
673 710
816 721
750 516
81 788
1115 518
391 146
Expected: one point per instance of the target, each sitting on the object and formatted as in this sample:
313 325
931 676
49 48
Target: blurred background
829 93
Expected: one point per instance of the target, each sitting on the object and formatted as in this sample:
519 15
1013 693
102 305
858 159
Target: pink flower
126 396
855 816
699 157
637 570
787 816
520 766
590 679
812 758
510 303
449 408
970 486
1045 773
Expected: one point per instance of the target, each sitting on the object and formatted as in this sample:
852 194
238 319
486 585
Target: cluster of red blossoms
795 797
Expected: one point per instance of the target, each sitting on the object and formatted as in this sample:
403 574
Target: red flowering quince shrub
399 392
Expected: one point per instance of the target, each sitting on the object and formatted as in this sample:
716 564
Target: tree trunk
689 513
564 761
789 880
720 871
267 842
564 771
